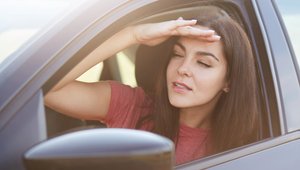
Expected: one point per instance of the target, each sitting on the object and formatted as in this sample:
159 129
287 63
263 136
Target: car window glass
22 20
125 69
290 12
92 75
125 64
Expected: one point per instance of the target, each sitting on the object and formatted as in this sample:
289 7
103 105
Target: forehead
194 44
194 40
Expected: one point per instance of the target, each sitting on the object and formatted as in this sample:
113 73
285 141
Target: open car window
123 68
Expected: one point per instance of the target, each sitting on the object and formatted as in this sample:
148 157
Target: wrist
132 36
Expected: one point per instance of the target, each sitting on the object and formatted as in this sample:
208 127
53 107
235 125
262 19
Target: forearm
116 43
148 34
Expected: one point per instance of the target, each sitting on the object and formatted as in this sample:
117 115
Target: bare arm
91 100
87 100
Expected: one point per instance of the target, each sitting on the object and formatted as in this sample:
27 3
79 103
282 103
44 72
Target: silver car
40 41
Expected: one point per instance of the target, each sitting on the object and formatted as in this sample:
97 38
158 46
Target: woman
206 96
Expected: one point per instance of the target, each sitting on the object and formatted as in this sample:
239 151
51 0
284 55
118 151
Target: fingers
213 38
183 27
180 22
155 33
190 31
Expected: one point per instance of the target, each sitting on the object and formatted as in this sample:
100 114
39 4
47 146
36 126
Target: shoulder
127 104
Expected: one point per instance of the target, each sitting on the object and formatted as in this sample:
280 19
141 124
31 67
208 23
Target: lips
181 86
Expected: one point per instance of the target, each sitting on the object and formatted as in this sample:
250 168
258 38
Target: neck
199 116
195 118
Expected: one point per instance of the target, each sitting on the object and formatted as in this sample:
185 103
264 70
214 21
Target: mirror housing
102 149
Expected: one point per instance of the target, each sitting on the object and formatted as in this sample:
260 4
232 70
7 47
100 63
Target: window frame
265 69
284 66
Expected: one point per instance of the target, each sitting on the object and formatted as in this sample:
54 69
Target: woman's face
196 73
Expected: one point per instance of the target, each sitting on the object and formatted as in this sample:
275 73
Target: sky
22 19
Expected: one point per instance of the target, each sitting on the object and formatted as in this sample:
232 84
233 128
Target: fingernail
217 37
211 31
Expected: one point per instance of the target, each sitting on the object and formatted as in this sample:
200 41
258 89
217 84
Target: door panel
26 128
284 155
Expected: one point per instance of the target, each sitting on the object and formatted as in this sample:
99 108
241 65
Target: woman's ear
226 88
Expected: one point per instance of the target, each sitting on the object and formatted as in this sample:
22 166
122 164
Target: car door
141 12
74 37
245 13
24 73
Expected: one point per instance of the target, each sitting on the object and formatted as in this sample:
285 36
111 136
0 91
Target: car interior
136 66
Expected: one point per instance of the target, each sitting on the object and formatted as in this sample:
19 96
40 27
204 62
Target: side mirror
102 149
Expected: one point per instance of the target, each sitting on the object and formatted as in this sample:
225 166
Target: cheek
210 81
171 69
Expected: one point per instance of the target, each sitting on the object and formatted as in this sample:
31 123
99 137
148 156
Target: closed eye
174 54
203 64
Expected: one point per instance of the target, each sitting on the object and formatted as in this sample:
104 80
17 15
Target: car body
33 68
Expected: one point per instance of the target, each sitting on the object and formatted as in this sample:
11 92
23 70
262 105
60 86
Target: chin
178 104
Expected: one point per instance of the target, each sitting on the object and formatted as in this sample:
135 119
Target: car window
92 75
125 64
124 61
289 10
127 68
22 20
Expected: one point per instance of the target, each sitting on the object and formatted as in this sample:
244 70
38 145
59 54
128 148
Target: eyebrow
198 52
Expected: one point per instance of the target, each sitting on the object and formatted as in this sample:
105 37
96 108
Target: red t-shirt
124 112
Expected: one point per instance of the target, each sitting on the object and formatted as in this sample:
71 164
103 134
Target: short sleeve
125 106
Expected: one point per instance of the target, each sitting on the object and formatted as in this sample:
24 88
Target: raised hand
155 33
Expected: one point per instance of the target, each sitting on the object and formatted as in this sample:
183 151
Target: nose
184 69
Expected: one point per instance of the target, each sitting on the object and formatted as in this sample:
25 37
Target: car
40 46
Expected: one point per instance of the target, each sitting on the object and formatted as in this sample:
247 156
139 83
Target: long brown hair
235 118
